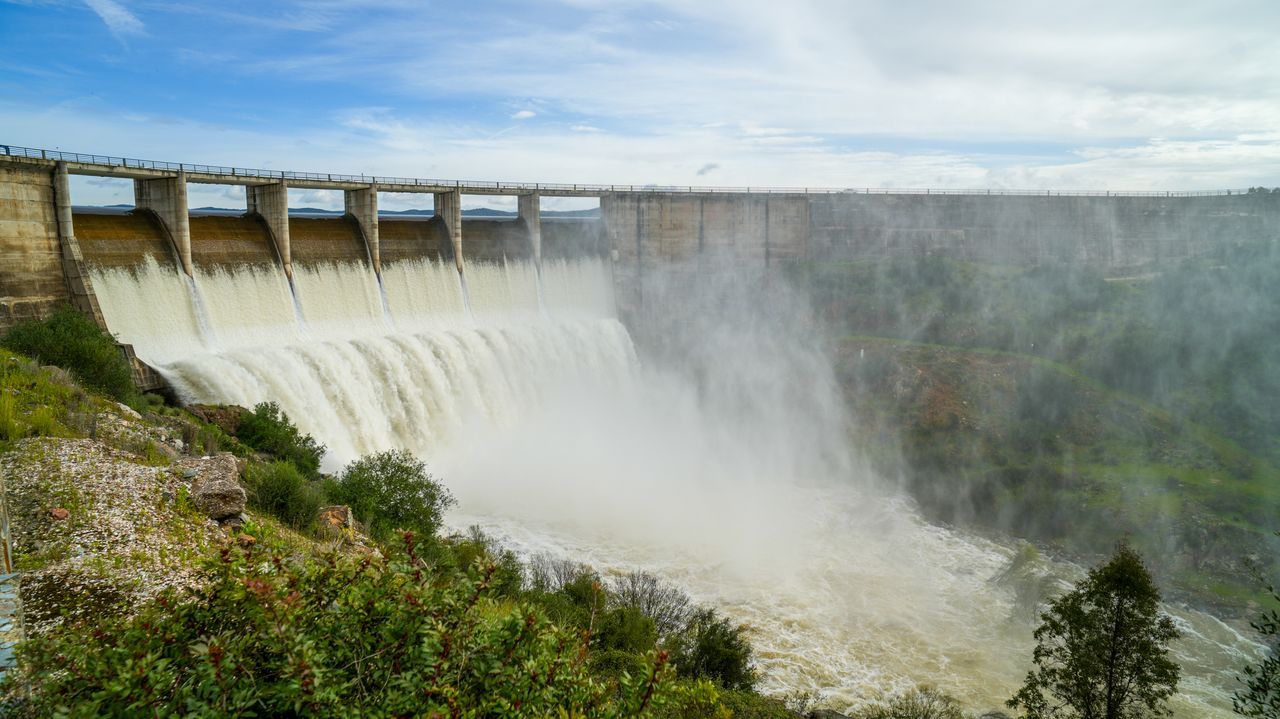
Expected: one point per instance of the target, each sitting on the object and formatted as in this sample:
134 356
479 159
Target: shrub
392 490
334 636
267 429
919 703
712 648
280 489
627 630
667 605
72 341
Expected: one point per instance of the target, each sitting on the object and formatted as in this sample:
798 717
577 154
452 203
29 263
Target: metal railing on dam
107 165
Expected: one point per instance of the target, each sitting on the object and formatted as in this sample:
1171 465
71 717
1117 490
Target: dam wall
650 236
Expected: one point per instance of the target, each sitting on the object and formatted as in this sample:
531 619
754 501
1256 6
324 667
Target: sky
799 93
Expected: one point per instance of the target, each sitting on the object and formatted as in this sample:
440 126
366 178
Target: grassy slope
1035 448
1058 405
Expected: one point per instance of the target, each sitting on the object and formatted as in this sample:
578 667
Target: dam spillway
502 352
362 374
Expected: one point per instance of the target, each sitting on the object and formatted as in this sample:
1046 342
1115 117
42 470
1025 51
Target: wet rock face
216 489
224 417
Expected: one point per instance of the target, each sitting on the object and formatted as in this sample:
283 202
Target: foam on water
535 411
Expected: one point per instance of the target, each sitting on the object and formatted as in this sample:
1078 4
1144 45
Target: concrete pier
363 206
271 202
167 197
448 207
530 214
73 269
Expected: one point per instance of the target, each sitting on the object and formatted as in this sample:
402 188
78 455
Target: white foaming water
541 420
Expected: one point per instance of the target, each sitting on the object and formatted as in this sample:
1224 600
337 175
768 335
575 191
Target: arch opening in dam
524 378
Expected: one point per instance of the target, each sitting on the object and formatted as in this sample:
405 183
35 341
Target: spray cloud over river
717 457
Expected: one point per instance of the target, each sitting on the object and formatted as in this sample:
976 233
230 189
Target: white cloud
119 21
524 115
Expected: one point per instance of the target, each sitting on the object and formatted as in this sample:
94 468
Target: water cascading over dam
527 398
529 382
364 373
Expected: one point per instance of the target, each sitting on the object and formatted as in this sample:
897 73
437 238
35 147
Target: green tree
72 341
1102 650
392 490
1261 694
268 429
712 648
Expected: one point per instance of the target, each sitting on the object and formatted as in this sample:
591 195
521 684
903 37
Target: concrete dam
502 352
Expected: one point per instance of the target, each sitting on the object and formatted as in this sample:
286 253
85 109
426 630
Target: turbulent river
526 396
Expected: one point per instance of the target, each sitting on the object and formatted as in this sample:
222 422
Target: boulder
216 490
826 714
225 417
335 521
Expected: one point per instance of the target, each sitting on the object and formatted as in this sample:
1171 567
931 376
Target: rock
225 417
128 411
335 521
58 375
826 714
59 514
217 491
994 714
190 473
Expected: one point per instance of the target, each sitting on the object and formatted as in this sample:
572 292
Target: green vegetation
1260 696
389 491
712 647
1103 649
1073 410
273 636
279 489
920 703
72 341
267 429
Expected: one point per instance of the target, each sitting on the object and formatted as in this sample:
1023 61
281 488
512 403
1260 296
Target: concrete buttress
362 204
167 197
448 207
530 213
272 203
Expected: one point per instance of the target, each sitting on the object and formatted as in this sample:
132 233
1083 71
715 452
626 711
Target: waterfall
362 375
524 394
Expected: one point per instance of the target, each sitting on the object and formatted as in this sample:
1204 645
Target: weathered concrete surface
221 240
448 207
271 203
167 198
529 212
73 267
31 281
316 240
492 239
418 238
363 206
567 237
1109 233
123 239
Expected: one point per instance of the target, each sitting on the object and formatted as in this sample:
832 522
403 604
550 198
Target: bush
72 341
667 605
712 648
919 703
279 489
392 490
267 429
334 636
627 630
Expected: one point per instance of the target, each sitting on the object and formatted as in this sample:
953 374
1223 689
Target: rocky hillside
1024 445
